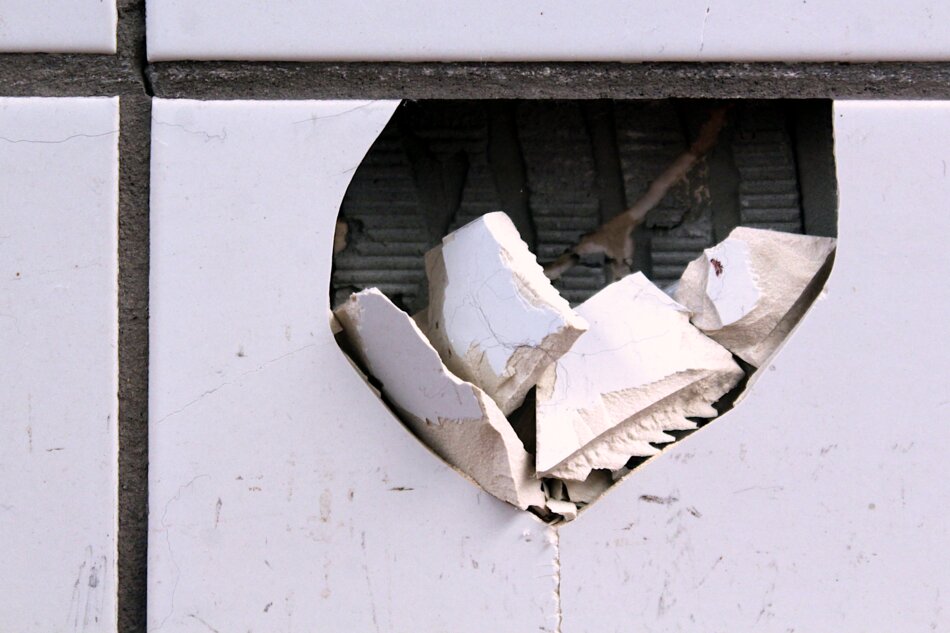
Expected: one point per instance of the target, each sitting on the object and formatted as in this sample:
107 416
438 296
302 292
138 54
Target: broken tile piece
566 509
749 291
494 317
335 326
455 418
640 370
590 489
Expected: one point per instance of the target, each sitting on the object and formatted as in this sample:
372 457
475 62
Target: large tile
57 26
822 502
58 375
284 496
562 30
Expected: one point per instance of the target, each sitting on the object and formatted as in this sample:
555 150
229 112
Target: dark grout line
276 80
128 72
134 137
43 75
134 156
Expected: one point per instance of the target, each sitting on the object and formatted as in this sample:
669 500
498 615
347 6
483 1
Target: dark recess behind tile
563 167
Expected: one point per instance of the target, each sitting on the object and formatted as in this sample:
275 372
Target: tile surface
57 26
822 502
559 30
283 495
58 378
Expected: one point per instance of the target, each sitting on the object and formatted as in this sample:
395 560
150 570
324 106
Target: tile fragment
590 489
453 417
749 291
493 316
566 509
639 371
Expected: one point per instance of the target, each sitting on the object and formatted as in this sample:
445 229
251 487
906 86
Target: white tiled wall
284 496
57 26
558 30
821 502
58 381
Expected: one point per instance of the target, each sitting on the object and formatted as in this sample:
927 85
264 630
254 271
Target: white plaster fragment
335 327
494 317
453 417
590 489
640 370
566 509
750 290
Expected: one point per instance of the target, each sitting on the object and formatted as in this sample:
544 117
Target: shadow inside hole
560 169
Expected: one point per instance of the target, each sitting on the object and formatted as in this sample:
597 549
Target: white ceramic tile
58 364
612 30
283 495
822 502
57 26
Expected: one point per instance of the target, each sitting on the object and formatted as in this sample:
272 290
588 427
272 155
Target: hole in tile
612 387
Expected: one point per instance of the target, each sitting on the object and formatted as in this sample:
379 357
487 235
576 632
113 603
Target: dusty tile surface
57 26
284 495
58 378
821 501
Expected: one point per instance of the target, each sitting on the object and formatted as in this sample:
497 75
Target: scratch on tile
315 118
168 543
199 619
369 584
14 141
702 34
208 392
669 500
222 136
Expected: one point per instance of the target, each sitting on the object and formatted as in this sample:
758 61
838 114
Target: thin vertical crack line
558 613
